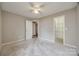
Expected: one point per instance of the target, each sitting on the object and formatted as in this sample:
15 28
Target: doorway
28 29
59 29
34 29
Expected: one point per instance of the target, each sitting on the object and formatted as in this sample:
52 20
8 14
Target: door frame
36 28
63 30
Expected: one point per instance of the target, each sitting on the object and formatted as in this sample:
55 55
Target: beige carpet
36 47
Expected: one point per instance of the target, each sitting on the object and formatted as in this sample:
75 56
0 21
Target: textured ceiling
23 8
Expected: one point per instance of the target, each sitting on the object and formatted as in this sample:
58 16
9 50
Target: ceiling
23 8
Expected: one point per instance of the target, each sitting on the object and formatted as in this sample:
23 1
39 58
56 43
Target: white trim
64 30
8 43
73 46
55 27
51 41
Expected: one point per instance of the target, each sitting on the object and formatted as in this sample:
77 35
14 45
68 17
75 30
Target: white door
59 29
28 29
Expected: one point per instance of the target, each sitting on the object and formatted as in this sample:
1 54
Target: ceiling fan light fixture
36 11
36 8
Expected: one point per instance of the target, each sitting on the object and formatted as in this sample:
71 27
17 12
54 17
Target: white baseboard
46 40
73 46
8 43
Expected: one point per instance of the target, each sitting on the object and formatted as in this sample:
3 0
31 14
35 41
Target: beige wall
70 24
0 29
47 27
46 30
77 23
13 27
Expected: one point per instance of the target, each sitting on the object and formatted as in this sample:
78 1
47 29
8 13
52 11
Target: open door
28 29
34 29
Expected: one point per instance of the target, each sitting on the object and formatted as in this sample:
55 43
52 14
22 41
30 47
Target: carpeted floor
36 47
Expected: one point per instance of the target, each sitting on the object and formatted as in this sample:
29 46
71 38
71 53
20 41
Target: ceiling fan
36 7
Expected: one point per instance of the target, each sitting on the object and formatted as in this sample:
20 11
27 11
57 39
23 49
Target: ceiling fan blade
42 5
31 4
35 4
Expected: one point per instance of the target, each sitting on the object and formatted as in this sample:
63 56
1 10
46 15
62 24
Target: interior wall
46 28
13 27
77 23
70 27
46 31
0 29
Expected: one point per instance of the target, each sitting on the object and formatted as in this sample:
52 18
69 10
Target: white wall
47 30
13 27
